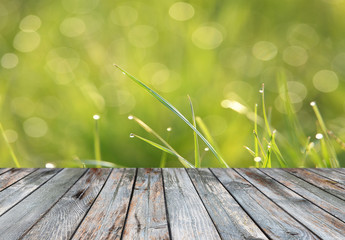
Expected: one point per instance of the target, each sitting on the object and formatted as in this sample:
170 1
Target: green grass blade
13 155
329 147
337 139
151 131
260 146
164 154
250 151
276 150
196 144
97 143
207 133
154 144
174 110
100 163
267 125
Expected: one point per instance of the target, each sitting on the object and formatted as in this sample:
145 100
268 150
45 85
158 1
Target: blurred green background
56 72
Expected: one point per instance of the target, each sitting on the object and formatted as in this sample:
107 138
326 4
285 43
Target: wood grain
106 218
188 217
64 217
13 175
3 170
324 200
329 173
326 184
147 214
10 196
275 222
19 219
317 220
230 219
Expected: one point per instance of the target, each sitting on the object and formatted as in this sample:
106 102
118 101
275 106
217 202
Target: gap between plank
166 205
129 203
31 192
278 205
87 211
39 219
262 230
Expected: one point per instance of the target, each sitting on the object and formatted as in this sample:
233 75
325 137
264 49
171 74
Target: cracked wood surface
172 204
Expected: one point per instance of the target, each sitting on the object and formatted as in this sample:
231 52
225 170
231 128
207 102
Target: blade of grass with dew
250 151
154 144
197 162
256 154
260 145
164 154
306 151
267 125
13 155
166 150
174 110
151 131
329 147
207 133
97 144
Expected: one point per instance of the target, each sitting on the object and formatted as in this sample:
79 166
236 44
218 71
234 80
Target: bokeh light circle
26 41
181 11
9 60
295 56
143 36
30 23
207 37
124 15
35 127
326 81
264 50
72 27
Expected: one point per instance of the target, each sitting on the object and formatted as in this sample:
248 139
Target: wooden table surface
172 204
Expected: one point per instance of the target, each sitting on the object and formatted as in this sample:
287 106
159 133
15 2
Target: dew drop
261 91
96 117
169 129
131 135
312 104
257 159
130 117
319 136
206 149
50 165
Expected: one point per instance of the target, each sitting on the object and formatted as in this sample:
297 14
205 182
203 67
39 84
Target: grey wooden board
106 218
18 220
330 173
320 222
10 196
147 214
188 217
13 175
2 170
229 218
274 221
326 184
64 217
324 200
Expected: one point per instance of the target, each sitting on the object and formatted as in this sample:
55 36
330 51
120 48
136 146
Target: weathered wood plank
229 218
19 219
64 217
147 213
323 199
13 175
3 170
187 215
317 220
325 184
16 192
106 218
329 173
340 170
275 222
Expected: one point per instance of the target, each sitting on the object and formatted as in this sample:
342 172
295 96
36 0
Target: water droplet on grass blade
319 136
131 135
169 129
206 149
96 117
312 104
261 91
257 159
130 117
